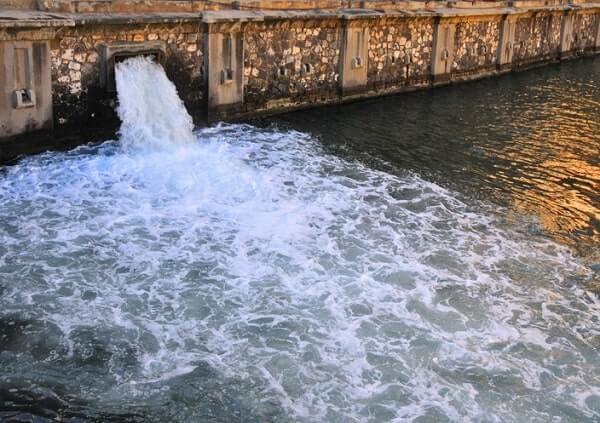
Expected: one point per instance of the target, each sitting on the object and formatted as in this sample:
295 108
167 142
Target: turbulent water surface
247 274
529 142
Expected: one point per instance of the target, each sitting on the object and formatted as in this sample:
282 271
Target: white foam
151 112
343 293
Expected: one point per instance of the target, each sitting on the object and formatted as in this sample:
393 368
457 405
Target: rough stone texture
288 59
76 66
400 51
584 27
537 37
292 59
476 45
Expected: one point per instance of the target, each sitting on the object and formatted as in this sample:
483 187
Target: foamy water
152 114
251 268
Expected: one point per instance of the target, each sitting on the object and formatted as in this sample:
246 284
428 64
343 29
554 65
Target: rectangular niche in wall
24 95
227 71
112 53
357 61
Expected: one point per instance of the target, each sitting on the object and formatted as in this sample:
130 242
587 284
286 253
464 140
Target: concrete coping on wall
402 4
222 16
458 13
585 6
411 5
32 19
296 14
353 14
38 19
450 12
134 18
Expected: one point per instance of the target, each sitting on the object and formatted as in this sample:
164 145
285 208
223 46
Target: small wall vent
24 98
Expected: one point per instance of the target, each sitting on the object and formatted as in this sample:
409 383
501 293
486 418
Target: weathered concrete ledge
82 19
234 64
25 84
32 19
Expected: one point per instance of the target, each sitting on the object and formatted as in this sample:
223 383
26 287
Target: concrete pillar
224 61
506 42
25 82
597 43
443 51
566 35
354 53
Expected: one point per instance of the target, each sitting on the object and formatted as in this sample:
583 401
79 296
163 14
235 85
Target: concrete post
25 82
597 43
443 51
506 42
354 53
224 61
566 35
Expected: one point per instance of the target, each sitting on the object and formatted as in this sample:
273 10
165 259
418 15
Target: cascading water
151 112
244 274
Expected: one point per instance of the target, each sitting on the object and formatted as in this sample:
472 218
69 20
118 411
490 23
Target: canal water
425 257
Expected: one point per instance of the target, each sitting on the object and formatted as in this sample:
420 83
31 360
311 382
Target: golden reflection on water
528 142
558 180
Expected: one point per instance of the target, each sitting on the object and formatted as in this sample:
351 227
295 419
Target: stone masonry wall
476 45
537 37
76 66
399 51
584 27
290 59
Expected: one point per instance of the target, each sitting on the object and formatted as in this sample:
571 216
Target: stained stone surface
290 59
537 37
400 49
76 64
584 25
476 45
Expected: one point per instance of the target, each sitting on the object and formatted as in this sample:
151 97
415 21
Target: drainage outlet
24 99
117 52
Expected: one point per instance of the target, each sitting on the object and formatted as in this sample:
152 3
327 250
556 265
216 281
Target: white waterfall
151 112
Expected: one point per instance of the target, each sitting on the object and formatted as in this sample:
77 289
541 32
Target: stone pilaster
597 43
354 53
224 64
25 76
506 44
566 35
443 51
